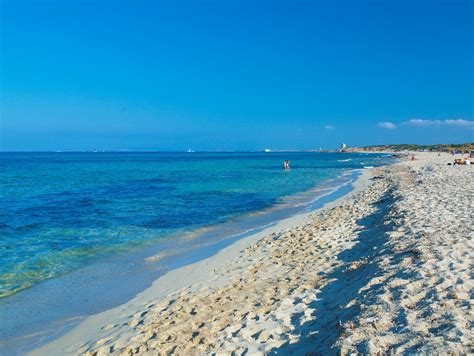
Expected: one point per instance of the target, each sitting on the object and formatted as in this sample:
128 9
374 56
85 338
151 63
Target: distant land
464 147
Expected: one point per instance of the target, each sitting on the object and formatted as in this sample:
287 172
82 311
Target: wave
344 160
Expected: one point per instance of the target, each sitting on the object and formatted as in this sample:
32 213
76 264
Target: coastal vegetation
464 147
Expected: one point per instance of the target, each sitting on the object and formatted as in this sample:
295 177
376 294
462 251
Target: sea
81 232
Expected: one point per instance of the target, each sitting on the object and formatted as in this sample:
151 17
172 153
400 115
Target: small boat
268 150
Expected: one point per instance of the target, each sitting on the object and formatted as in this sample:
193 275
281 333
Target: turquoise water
62 211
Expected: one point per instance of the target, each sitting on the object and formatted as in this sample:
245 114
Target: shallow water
59 211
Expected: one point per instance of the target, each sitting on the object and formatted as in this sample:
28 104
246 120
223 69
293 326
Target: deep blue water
61 211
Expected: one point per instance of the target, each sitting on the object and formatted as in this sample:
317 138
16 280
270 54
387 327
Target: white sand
386 268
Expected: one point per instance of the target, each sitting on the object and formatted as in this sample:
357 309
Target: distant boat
268 150
190 150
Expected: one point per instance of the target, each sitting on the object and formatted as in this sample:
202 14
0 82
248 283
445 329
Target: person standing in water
286 165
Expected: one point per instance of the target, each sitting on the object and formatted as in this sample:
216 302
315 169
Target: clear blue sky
234 74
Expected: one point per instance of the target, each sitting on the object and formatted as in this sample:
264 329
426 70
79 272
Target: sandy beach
387 268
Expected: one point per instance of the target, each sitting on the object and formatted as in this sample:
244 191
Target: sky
234 75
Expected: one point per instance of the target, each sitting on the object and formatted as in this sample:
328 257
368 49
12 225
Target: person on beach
413 157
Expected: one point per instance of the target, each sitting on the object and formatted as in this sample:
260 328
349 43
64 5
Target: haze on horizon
236 75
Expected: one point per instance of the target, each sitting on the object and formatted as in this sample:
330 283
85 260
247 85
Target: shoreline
190 273
54 291
375 271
